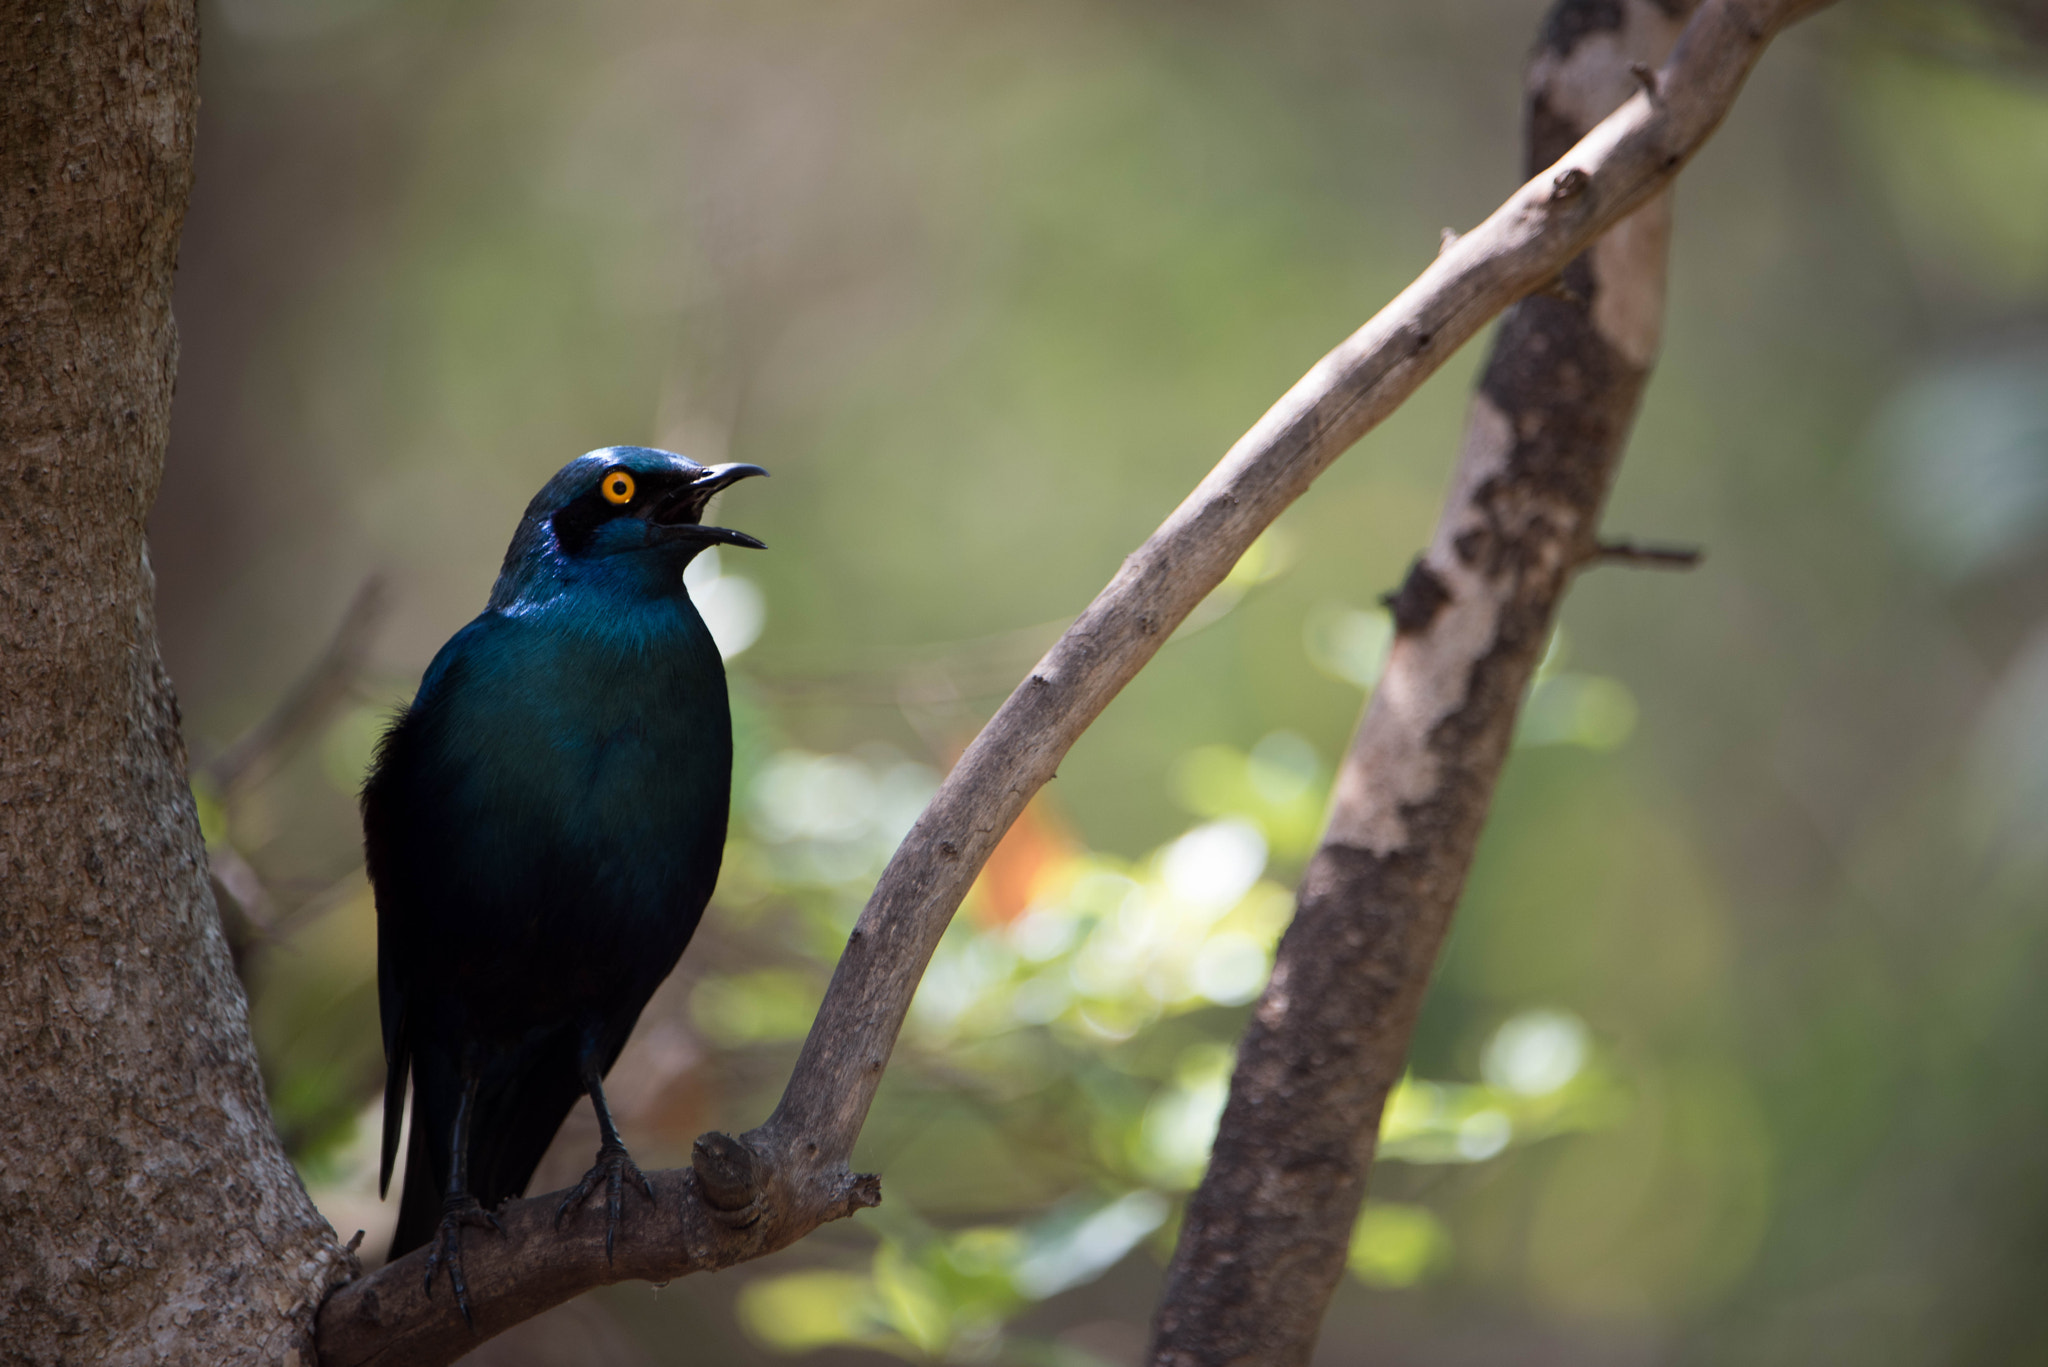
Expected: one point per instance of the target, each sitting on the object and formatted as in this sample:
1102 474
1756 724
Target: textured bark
1266 1235
780 1181
147 1213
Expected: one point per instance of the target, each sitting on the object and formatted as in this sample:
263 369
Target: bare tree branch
249 915
1265 1239
796 1164
314 698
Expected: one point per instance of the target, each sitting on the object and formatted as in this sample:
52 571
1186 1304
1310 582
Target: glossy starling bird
544 826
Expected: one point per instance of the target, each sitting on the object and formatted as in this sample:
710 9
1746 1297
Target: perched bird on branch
543 827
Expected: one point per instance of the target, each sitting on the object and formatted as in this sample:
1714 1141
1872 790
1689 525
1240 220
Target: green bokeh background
988 287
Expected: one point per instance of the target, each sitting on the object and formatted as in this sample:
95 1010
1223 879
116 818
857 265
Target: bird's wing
397 1062
391 799
380 812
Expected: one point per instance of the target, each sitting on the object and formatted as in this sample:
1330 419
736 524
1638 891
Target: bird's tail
419 1202
514 1123
517 1121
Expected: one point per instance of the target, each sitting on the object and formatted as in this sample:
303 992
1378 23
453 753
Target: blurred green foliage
1086 1028
1734 1052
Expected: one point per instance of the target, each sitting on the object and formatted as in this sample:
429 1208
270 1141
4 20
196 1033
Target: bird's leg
614 1165
458 1206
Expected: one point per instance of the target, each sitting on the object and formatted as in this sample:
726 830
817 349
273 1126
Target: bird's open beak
680 513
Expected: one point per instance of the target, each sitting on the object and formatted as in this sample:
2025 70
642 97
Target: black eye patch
576 524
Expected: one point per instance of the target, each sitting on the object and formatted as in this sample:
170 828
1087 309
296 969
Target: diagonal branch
1266 1235
795 1165
313 699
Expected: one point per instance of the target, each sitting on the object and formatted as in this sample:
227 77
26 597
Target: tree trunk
147 1213
1267 1232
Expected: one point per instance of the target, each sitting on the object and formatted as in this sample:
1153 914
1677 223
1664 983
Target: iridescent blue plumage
544 826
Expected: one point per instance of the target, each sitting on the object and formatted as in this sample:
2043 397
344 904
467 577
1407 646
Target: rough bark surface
1266 1235
780 1181
147 1213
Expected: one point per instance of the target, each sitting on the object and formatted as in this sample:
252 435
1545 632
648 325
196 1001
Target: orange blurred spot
1025 866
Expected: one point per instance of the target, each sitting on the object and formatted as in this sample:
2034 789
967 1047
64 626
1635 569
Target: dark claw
613 1166
447 1247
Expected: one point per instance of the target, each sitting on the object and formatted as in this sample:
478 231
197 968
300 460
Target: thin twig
314 698
800 1173
1646 557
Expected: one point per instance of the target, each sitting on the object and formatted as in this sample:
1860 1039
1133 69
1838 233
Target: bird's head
630 515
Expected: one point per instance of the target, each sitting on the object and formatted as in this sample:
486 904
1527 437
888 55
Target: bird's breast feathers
538 753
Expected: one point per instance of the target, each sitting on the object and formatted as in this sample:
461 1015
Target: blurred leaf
1965 160
1536 1053
1080 1244
1349 643
350 744
1395 1246
760 1007
1963 451
1180 1121
1577 709
1541 1082
911 1301
1280 786
213 817
798 1311
1269 556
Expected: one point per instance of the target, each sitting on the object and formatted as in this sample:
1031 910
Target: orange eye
617 487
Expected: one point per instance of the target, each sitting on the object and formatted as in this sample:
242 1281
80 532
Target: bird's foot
614 1167
456 1212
